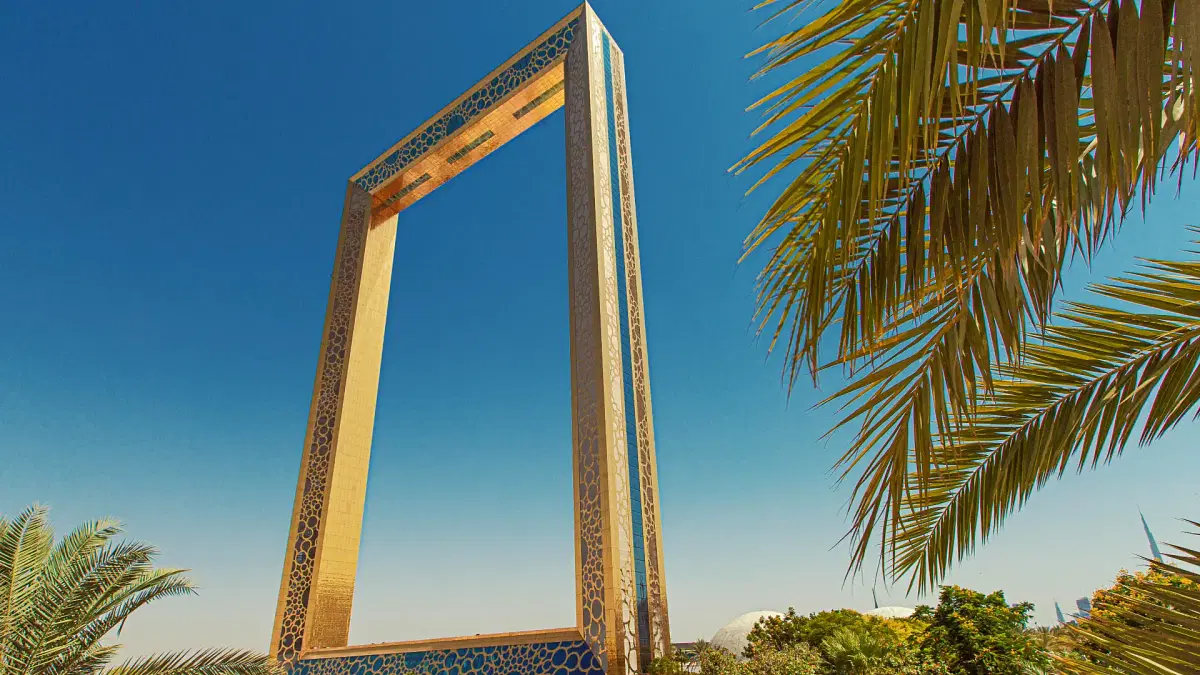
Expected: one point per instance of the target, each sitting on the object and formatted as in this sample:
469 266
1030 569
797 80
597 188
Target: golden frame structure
621 608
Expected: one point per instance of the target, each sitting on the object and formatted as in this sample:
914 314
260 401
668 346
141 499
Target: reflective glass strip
545 96
462 152
631 432
403 192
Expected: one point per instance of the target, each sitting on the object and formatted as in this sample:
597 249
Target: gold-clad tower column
317 589
621 599
654 634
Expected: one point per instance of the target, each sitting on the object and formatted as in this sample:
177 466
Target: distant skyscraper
1085 604
1154 552
1085 607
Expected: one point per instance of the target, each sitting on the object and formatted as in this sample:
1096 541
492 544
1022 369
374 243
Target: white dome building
733 636
890 612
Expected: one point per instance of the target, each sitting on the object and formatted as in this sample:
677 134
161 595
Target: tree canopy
61 602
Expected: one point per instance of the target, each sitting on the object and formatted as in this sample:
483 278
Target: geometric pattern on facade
482 98
621 611
572 657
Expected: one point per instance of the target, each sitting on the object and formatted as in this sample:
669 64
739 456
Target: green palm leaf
63 568
949 158
25 545
1076 400
1153 630
207 662
856 652
58 601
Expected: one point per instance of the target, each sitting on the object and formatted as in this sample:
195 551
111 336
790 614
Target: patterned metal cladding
653 636
555 658
538 58
619 593
627 384
318 582
587 392
621 602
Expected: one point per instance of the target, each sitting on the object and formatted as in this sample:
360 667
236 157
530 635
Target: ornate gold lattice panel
621 606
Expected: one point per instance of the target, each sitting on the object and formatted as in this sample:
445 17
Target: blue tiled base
551 658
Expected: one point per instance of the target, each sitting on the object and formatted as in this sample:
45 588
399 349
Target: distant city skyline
1084 604
170 181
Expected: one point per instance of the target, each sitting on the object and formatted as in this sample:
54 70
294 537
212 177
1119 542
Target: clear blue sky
171 177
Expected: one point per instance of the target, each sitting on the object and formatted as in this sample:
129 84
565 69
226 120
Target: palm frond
206 662
50 630
90 662
112 570
145 588
948 163
119 581
1153 630
1076 399
95 624
25 545
90 584
60 601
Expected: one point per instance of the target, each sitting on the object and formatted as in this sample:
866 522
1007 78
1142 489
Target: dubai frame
621 609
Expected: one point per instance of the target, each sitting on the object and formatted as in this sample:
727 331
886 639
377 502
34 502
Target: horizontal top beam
510 99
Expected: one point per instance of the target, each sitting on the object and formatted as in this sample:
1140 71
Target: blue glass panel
631 430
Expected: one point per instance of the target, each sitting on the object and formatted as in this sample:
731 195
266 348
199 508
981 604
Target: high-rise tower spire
1154 552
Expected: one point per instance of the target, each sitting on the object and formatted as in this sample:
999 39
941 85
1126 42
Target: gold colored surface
604 577
660 638
318 582
620 586
337 558
450 106
588 442
313 613
500 121
529 637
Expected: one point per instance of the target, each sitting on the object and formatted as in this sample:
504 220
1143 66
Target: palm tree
856 652
1050 639
60 600
941 162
